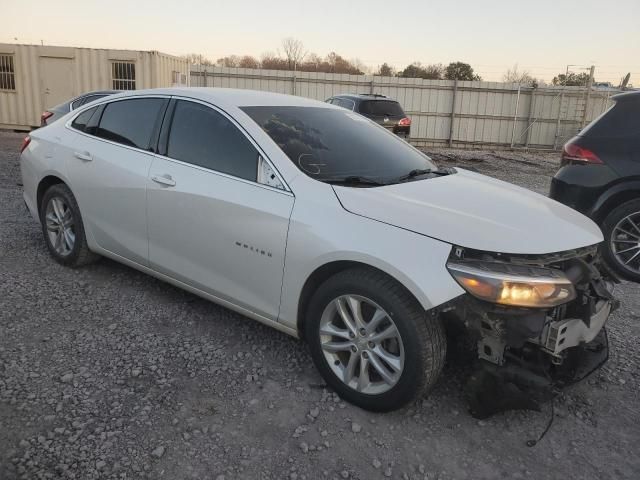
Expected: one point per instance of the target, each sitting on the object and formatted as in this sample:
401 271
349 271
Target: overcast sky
542 36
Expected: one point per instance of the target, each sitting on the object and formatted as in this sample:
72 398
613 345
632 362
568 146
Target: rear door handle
165 180
86 156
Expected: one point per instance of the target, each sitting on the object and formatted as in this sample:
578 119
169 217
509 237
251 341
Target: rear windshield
621 120
381 108
328 143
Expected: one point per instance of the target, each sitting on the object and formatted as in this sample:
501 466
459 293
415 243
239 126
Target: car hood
475 211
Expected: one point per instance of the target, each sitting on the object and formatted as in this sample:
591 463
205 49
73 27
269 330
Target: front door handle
86 156
165 180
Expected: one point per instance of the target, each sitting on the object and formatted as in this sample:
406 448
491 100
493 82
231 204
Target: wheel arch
326 271
44 185
614 197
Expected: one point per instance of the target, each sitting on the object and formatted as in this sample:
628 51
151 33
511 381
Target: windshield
330 144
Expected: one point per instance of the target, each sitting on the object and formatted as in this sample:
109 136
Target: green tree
385 70
417 70
571 80
460 71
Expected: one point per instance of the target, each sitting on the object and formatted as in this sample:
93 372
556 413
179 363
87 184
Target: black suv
380 109
600 177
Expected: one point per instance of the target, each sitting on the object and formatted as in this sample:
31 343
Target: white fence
443 112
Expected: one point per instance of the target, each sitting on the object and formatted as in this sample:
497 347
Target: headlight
513 285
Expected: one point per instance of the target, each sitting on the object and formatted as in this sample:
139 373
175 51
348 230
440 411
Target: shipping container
36 77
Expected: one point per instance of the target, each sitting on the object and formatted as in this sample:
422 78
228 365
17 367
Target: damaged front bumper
525 354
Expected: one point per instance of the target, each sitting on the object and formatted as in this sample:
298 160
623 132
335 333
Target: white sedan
317 222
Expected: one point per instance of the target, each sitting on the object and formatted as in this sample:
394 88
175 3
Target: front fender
416 261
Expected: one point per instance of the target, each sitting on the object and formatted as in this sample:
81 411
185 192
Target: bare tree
271 61
360 66
294 51
523 77
247 61
232 61
197 59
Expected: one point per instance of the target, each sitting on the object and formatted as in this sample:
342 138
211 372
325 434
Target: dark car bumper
513 386
580 186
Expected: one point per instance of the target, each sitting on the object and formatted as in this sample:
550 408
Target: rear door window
381 108
201 136
130 122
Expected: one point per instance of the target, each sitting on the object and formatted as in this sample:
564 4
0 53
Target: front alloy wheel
362 344
372 341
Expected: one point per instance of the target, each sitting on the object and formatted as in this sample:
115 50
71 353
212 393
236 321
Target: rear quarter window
621 120
81 121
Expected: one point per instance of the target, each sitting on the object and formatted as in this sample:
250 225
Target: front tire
372 341
621 247
63 229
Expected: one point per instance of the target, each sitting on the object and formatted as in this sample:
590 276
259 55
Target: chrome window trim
221 174
286 191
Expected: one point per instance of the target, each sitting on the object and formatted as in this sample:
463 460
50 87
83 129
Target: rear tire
401 347
621 229
63 229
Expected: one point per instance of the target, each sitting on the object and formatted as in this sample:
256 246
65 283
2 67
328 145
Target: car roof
364 96
99 92
63 107
231 97
634 94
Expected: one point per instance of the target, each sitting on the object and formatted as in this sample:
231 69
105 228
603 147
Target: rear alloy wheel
372 341
63 229
60 226
622 245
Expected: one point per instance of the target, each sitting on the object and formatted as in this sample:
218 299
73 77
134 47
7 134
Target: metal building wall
489 114
90 70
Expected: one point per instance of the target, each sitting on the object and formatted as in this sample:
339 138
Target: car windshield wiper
414 173
420 171
354 180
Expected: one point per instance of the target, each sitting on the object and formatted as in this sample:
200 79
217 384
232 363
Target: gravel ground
108 373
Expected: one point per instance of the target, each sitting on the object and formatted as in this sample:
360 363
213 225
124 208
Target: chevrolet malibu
320 223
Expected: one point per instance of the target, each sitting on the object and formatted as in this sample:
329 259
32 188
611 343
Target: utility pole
587 96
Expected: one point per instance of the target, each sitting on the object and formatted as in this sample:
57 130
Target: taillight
43 118
405 122
25 143
574 154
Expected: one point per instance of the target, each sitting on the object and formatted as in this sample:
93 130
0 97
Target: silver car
316 221
52 114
